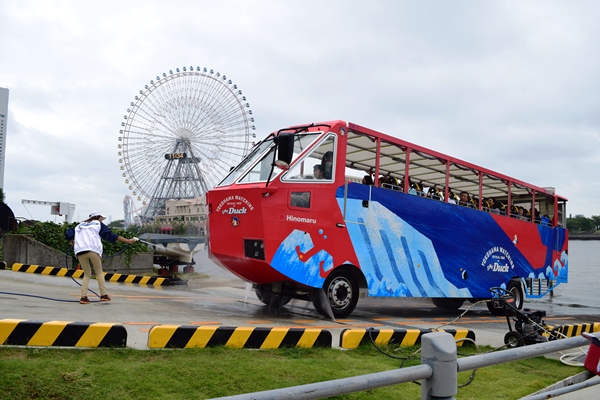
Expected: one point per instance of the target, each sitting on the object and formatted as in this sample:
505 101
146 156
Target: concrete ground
216 297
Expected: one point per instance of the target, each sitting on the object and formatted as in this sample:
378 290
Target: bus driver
318 171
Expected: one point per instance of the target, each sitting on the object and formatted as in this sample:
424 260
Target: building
189 213
3 125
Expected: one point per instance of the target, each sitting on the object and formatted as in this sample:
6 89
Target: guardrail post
438 350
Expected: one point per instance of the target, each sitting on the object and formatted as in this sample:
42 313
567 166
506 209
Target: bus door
310 216
308 175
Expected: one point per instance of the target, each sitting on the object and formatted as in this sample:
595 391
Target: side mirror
285 149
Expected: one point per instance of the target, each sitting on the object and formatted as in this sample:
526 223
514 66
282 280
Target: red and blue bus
328 212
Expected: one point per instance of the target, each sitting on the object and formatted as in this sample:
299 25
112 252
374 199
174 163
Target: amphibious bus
328 212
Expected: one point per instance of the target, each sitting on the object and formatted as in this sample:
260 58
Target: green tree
581 224
118 224
135 230
596 219
53 235
178 226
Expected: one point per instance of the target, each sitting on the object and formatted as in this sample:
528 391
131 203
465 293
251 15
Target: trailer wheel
341 291
513 339
516 290
446 303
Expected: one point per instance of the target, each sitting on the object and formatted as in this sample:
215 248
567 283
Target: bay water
582 294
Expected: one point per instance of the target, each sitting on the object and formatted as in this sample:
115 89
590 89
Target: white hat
96 214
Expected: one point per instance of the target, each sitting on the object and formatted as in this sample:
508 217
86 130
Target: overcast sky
509 85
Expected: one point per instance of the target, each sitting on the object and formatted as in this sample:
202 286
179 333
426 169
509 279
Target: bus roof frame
426 159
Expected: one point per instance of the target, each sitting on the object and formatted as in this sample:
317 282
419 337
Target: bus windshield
258 152
258 165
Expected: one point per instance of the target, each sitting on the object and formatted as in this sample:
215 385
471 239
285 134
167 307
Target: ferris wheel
181 135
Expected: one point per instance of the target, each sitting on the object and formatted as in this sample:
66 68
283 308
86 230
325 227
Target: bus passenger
412 187
366 180
318 171
452 197
417 188
514 211
501 207
464 199
545 220
385 182
434 193
536 216
400 182
524 214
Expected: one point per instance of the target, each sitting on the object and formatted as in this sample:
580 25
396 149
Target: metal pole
564 390
520 353
337 387
438 350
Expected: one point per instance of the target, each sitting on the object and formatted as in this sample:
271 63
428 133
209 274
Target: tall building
3 124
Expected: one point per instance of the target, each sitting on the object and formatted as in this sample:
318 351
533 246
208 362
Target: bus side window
320 161
300 199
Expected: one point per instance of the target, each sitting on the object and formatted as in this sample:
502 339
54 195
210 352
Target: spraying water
247 294
180 252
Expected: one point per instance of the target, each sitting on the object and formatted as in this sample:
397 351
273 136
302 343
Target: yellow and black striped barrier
78 273
140 280
190 336
16 332
352 338
571 330
47 270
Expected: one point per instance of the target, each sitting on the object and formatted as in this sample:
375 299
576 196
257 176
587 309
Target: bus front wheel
267 297
341 291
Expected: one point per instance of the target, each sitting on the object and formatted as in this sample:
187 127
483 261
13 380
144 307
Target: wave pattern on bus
301 261
486 250
384 270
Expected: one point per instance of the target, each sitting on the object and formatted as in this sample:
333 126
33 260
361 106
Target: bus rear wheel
518 299
516 289
341 291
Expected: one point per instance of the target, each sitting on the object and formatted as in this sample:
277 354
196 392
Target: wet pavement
214 296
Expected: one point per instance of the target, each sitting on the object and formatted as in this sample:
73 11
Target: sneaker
104 297
84 300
